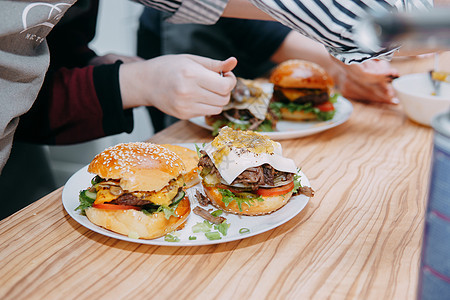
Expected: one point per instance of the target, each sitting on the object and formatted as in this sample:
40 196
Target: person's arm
332 24
76 105
245 9
183 86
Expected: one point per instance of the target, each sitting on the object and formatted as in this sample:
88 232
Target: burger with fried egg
245 173
301 92
137 191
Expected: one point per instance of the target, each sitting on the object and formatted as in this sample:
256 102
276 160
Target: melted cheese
293 94
248 140
245 149
161 197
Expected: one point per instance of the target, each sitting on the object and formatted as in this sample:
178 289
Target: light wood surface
358 238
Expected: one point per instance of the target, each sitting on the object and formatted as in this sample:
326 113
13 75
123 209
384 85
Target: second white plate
291 129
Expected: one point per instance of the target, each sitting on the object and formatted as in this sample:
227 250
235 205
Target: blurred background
116 32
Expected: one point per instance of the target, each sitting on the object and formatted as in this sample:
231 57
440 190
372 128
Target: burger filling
247 110
251 185
314 101
242 119
107 194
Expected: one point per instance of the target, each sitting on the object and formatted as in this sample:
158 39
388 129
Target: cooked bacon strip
307 191
202 199
207 216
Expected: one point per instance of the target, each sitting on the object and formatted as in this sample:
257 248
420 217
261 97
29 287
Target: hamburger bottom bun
135 224
190 160
297 115
269 205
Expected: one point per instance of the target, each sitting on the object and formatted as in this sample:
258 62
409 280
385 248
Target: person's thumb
229 64
214 65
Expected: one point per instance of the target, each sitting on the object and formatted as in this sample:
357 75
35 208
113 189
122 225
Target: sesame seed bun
301 74
139 166
190 160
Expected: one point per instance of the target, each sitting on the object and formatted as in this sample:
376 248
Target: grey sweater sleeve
24 59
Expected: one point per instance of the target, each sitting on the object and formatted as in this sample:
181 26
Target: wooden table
358 238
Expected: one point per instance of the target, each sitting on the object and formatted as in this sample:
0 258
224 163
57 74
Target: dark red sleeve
76 105
77 102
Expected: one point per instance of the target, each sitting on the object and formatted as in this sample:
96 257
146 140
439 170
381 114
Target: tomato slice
281 190
115 206
327 106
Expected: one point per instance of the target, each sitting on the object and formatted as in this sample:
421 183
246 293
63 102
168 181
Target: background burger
244 172
302 91
248 109
137 191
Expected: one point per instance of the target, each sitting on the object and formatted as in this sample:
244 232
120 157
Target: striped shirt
333 22
330 22
189 11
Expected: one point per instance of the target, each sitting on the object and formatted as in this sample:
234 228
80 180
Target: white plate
258 224
291 129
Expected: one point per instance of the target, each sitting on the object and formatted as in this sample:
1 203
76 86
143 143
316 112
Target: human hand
111 58
184 86
369 81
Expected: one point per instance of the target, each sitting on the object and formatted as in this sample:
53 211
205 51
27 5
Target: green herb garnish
297 184
217 213
204 226
228 197
244 230
306 107
213 235
171 238
222 228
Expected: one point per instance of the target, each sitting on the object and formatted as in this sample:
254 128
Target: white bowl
415 92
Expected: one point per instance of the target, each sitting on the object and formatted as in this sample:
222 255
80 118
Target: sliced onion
116 190
107 183
234 120
275 184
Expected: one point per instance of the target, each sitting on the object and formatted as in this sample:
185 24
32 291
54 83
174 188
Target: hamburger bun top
188 156
139 166
301 74
190 160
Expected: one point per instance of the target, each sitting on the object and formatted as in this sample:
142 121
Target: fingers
220 85
380 93
229 64
199 110
193 109
214 65
377 71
